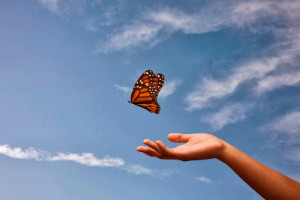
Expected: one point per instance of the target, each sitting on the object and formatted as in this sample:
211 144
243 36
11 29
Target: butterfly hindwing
152 107
158 83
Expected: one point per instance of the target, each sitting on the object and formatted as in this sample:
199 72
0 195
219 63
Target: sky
67 70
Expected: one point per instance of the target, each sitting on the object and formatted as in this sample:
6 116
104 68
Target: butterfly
146 90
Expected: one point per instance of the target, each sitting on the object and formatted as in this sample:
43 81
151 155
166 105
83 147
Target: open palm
196 146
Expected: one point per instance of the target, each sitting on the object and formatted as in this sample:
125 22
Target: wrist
225 151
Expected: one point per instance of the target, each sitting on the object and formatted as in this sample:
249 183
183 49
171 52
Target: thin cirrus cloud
262 72
286 128
229 114
271 83
210 89
204 179
137 169
169 88
64 7
152 27
79 12
293 155
87 159
51 5
124 89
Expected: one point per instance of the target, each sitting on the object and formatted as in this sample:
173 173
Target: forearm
269 183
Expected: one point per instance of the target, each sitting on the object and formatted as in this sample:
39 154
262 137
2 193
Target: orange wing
145 91
142 90
152 107
158 83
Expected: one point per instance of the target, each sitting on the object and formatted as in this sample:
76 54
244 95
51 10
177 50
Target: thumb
179 137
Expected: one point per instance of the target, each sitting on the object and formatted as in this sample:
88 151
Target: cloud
90 24
134 35
51 5
229 114
210 89
204 179
277 81
89 14
124 89
85 158
137 169
27 154
88 159
293 155
64 7
266 73
154 26
286 128
168 88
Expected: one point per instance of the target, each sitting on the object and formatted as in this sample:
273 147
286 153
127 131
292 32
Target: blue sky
67 70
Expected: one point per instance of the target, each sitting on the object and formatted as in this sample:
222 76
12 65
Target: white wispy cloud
85 158
168 88
62 7
134 35
88 159
262 72
124 89
154 26
81 12
293 155
277 81
286 128
52 5
229 114
210 89
141 170
204 179
137 169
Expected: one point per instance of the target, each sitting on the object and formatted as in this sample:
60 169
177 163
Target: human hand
197 146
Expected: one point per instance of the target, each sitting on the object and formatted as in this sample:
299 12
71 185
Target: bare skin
267 182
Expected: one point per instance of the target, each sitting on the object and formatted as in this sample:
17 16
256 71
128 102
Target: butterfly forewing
141 89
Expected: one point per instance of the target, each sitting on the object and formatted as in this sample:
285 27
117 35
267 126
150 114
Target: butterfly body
146 90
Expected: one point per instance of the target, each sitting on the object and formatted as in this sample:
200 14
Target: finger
179 137
166 151
153 145
149 155
148 150
159 157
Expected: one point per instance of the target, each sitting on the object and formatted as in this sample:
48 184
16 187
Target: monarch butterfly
146 89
